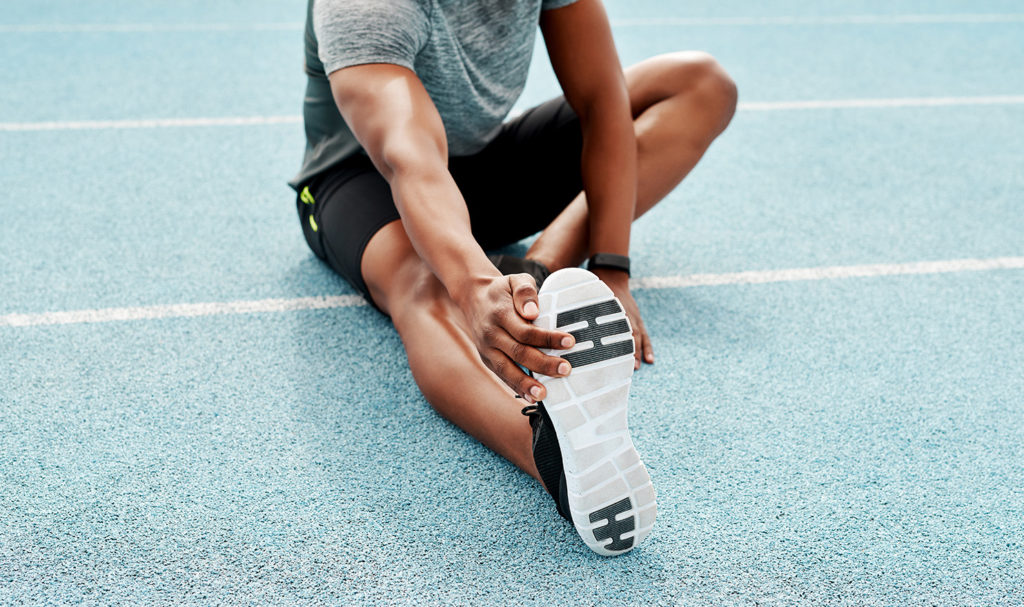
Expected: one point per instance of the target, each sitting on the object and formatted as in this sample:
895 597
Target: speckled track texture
821 442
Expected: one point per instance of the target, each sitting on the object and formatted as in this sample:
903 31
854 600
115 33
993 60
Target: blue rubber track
850 441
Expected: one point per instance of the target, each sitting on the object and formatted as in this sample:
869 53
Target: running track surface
194 410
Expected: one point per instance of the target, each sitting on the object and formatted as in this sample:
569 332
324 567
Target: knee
701 76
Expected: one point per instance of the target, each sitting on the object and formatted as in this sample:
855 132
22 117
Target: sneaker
508 264
581 443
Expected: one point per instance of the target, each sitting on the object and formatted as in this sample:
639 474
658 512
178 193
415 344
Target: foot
582 445
508 264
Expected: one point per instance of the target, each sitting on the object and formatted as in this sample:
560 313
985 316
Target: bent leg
442 357
680 102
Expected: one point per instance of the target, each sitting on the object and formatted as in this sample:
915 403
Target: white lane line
104 28
181 310
829 273
653 282
746 106
896 102
76 125
903 19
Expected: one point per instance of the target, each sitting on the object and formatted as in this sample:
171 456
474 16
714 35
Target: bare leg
443 359
681 102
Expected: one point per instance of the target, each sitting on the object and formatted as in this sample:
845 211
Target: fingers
525 333
513 376
524 298
504 358
648 350
526 355
642 349
524 295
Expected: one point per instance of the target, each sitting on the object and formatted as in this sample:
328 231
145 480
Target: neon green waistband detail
312 224
306 196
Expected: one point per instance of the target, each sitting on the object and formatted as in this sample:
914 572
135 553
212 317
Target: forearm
436 220
393 118
582 52
608 166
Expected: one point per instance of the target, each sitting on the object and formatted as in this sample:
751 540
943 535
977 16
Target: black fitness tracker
609 261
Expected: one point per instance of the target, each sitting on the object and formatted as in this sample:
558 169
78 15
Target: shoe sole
611 498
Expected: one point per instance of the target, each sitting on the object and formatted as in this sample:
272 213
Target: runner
412 172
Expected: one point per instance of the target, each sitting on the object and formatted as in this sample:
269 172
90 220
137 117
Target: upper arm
582 51
391 115
368 49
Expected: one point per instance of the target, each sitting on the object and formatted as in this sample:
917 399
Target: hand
500 312
618 281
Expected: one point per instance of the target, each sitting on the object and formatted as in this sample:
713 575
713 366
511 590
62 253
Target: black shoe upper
548 457
507 264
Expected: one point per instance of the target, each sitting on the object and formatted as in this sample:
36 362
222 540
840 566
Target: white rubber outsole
611 498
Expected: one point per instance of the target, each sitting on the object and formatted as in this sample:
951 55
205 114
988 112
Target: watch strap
609 261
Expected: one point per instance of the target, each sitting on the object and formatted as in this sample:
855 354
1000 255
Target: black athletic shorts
513 188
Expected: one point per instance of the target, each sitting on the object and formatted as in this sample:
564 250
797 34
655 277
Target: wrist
468 287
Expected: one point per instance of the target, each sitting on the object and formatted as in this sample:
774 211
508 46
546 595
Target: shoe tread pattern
610 495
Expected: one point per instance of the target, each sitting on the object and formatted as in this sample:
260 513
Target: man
410 174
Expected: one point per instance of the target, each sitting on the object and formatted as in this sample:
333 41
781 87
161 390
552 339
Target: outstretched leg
681 102
442 357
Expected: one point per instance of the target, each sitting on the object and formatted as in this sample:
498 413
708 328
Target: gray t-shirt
471 55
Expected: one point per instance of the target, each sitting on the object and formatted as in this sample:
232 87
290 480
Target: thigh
341 211
523 179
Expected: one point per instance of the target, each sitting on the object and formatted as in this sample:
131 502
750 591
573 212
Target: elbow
409 154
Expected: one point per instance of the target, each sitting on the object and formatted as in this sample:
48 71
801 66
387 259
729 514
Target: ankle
556 257
551 263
